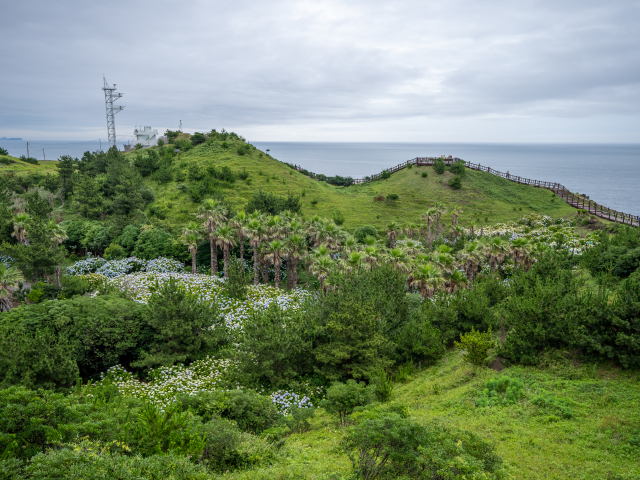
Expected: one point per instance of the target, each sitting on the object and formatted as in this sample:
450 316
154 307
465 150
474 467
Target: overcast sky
447 70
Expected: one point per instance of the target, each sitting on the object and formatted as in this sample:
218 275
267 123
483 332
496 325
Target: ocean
608 173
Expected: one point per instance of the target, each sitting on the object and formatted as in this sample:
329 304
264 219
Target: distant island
5 138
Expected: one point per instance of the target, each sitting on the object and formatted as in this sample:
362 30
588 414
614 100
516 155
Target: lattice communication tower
110 96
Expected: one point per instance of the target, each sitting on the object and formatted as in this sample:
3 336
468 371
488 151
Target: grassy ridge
483 196
534 444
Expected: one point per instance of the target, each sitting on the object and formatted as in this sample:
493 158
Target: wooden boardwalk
573 199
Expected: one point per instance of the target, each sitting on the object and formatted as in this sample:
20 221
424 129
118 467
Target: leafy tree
458 168
94 333
127 239
271 204
439 166
476 346
184 329
343 398
388 445
66 167
114 252
363 232
88 198
197 138
455 182
9 279
239 279
273 347
153 243
419 340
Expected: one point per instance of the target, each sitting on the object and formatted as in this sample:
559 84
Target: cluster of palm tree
324 248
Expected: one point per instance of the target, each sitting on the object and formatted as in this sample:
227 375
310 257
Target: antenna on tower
110 96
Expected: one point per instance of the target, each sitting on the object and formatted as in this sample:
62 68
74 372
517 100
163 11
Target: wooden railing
573 199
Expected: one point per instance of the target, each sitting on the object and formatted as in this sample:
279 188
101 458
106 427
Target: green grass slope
17 166
534 442
483 197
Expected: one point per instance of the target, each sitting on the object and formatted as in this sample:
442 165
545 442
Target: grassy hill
17 166
591 441
483 197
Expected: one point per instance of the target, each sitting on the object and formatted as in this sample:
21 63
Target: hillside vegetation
152 329
484 198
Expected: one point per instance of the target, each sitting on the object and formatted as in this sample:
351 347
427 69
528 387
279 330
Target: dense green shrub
153 243
418 340
338 217
388 445
439 166
455 183
458 168
343 398
114 252
500 391
273 347
476 346
271 204
49 344
183 328
197 138
363 232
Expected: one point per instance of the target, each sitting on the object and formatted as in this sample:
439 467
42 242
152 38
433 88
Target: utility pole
180 127
110 96
27 149
45 158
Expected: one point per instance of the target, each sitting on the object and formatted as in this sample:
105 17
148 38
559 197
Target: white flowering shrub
166 383
543 229
125 266
210 289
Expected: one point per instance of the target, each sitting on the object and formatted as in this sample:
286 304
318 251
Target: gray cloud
367 66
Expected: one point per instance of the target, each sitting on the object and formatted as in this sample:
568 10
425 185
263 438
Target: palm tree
255 233
440 209
275 250
520 248
190 237
226 239
212 213
58 235
9 278
455 280
392 233
353 261
496 249
399 259
321 267
429 216
296 249
455 214
240 223
427 278
19 225
472 257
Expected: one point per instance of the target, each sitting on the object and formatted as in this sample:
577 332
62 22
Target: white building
145 136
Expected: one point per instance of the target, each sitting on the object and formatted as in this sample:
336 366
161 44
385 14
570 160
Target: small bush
197 138
439 166
404 372
385 175
458 168
4 151
393 197
5 161
338 217
500 391
476 346
343 398
383 385
425 174
455 183
243 175
363 232
113 252
314 202
553 405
